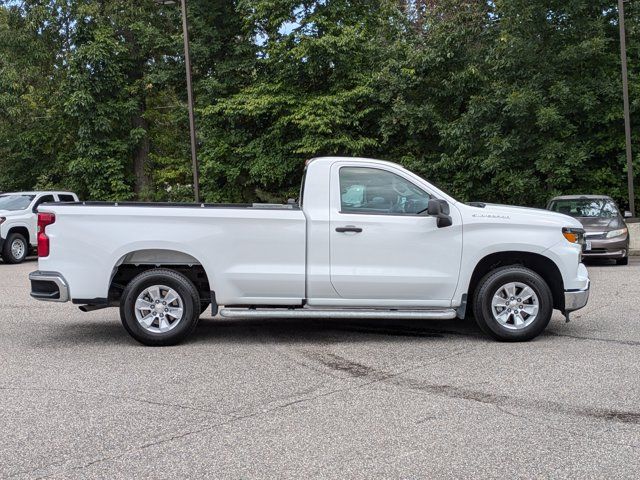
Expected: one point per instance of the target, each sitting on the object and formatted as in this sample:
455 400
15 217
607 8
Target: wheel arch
22 230
542 265
136 261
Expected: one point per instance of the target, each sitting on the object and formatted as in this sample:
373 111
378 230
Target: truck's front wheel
513 304
15 248
160 307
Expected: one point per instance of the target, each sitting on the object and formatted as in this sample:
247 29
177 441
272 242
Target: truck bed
252 253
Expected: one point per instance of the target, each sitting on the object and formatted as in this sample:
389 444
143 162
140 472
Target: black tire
7 250
622 261
489 286
188 295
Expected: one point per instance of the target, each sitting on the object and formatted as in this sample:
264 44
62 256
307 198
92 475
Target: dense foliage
506 100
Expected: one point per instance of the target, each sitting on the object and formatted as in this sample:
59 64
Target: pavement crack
128 451
564 430
232 420
546 406
632 343
109 395
358 370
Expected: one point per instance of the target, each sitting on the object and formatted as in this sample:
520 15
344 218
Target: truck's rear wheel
160 307
513 304
15 248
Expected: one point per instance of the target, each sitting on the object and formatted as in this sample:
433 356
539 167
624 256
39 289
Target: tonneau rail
263 206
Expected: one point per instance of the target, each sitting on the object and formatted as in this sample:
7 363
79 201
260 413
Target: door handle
348 228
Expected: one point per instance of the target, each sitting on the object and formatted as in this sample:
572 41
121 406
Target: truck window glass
14 203
595 207
44 199
374 191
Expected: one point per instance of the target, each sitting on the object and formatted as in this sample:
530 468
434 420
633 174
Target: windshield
15 202
593 207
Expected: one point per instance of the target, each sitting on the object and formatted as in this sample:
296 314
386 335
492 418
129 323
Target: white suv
19 221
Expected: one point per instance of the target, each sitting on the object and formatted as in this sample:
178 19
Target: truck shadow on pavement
326 329
212 331
605 262
30 259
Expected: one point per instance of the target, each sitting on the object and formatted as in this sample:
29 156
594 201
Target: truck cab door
383 250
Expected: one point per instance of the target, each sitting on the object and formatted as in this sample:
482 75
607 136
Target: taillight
44 220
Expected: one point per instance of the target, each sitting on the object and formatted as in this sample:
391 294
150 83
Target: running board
431 314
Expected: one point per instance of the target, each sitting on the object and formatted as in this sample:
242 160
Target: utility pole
192 121
625 100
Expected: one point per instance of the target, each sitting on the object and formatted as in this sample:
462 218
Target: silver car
606 233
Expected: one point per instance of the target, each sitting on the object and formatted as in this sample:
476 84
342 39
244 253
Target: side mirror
440 210
627 214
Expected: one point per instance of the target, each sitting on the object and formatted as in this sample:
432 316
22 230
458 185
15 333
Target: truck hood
10 213
600 224
530 216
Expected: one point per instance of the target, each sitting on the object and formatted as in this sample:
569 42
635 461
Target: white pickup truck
18 219
367 239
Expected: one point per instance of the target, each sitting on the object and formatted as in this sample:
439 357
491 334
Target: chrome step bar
430 314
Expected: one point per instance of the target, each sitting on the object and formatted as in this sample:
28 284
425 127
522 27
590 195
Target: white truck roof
41 192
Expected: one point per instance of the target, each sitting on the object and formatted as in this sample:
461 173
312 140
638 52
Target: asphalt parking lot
321 399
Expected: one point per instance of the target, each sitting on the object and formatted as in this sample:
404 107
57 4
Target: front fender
483 238
10 224
566 256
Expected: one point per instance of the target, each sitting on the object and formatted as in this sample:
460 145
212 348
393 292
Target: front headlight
2 219
617 233
574 235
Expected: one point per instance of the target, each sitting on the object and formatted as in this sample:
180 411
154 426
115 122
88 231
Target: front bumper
49 286
576 299
607 247
606 254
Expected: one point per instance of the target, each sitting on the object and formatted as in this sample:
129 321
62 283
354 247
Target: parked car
606 233
368 239
18 221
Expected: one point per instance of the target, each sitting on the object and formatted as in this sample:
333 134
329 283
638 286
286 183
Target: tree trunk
138 121
141 152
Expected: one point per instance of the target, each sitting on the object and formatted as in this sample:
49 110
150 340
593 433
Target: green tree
32 133
309 94
119 51
548 116
504 100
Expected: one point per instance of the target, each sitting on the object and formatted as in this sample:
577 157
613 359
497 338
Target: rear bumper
576 299
49 286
